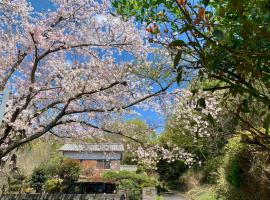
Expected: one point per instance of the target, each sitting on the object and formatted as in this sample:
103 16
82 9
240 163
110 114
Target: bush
17 181
130 180
38 178
210 170
244 173
69 171
234 173
51 167
53 185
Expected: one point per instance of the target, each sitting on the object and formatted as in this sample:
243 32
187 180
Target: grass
202 193
159 197
208 195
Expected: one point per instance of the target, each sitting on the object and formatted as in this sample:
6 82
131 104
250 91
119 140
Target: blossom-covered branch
76 62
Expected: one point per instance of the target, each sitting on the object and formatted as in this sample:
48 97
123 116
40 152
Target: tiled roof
93 147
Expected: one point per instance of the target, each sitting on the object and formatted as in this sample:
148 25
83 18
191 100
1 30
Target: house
95 158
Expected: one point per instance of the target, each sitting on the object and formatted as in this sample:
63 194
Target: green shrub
38 178
128 184
244 173
17 181
234 174
53 185
69 171
130 180
235 152
51 167
210 170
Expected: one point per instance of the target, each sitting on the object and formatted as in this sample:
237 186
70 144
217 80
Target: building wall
93 155
92 173
89 163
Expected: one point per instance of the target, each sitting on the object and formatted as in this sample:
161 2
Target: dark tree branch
217 88
13 68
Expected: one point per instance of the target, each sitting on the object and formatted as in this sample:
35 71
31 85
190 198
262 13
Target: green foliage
43 150
234 173
69 171
207 195
159 197
17 181
130 180
229 41
204 148
210 169
207 150
170 173
51 167
136 129
53 185
243 173
38 178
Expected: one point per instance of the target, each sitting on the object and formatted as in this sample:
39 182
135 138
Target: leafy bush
234 174
235 152
38 178
130 180
53 185
244 173
17 181
210 170
69 171
51 167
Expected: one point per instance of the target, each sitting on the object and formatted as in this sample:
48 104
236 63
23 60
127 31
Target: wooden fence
61 197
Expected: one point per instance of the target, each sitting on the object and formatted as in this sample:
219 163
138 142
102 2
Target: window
103 164
107 164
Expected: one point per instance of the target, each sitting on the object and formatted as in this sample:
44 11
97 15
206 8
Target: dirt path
173 196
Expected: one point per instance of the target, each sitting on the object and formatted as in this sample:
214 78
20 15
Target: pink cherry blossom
72 70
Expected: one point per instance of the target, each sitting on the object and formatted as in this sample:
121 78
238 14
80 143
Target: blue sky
40 5
148 116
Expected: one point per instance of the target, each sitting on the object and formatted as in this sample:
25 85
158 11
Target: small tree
69 171
38 178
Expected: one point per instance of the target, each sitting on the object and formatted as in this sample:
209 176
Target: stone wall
149 193
61 197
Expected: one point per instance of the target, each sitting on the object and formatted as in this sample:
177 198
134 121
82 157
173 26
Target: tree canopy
71 70
225 41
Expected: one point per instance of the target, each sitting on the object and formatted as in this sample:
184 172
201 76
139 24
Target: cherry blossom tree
199 114
71 70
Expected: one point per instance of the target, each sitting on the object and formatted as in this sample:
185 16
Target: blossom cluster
151 155
199 114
